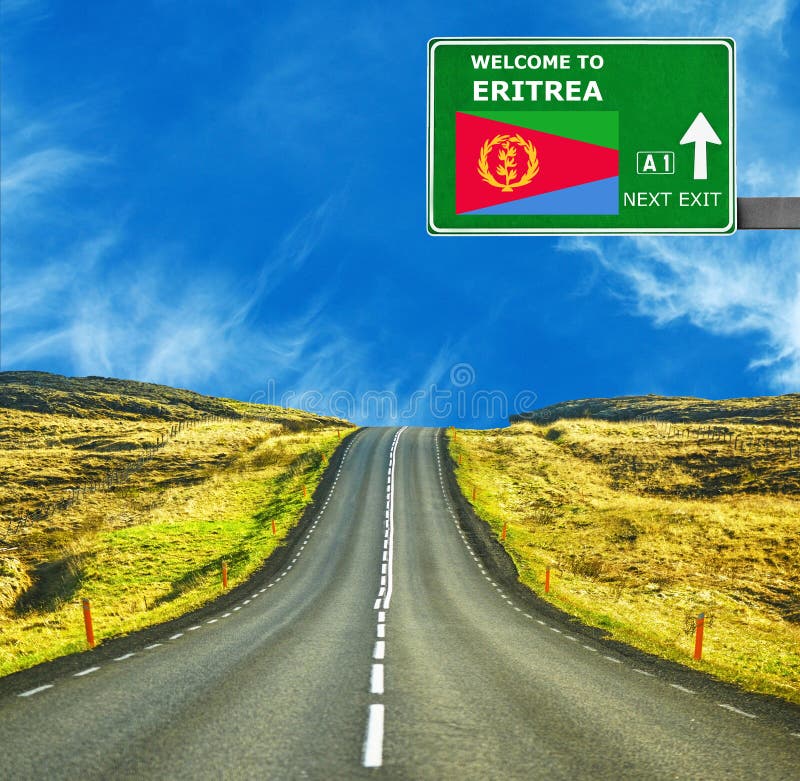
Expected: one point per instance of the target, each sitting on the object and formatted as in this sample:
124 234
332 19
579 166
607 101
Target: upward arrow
700 133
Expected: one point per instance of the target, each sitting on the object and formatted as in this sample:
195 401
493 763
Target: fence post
698 637
87 622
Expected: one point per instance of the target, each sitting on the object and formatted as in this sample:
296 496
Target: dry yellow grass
646 525
149 547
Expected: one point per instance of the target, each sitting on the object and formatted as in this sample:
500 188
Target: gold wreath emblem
507 167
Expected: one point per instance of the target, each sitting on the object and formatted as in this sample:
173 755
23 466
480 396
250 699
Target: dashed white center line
376 680
123 657
373 743
153 646
612 659
212 621
380 649
88 671
681 688
177 636
381 630
643 672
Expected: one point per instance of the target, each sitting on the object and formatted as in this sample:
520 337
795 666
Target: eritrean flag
537 162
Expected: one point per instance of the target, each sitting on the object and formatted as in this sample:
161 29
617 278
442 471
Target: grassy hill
650 510
131 494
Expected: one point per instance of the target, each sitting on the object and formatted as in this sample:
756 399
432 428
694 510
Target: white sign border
728 230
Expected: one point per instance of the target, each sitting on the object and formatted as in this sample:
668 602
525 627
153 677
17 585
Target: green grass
150 548
643 531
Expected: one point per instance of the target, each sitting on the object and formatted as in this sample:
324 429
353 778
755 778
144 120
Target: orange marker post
459 459
547 580
305 492
698 637
474 492
324 459
338 433
273 526
224 574
87 622
505 527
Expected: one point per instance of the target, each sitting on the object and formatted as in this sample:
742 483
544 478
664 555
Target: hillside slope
132 494
651 510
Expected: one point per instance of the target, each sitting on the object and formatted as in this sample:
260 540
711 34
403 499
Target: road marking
212 621
124 657
88 671
377 603
643 672
246 602
380 649
681 688
226 615
38 689
373 743
381 616
381 630
376 681
238 607
390 531
177 636
736 710
589 648
553 629
154 645
612 659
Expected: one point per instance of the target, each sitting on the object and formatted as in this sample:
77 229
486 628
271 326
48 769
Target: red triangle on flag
559 162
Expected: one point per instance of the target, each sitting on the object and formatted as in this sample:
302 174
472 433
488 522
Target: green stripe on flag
591 127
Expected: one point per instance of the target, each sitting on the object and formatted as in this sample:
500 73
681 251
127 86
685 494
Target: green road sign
581 135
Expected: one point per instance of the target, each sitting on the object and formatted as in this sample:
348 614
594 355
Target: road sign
581 136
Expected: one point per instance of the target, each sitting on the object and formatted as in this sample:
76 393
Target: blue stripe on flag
600 197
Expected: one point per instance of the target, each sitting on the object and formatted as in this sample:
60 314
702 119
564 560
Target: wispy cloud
748 284
741 286
707 17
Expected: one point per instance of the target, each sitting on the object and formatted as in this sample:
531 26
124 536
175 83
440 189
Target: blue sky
230 197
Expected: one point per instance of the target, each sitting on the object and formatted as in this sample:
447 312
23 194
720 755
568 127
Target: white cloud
742 285
748 284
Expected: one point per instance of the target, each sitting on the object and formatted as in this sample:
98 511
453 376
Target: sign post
581 136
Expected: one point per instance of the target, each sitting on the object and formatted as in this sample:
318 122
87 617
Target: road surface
384 647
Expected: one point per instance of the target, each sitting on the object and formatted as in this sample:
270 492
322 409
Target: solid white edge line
373 742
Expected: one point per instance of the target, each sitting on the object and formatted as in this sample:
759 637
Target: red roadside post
224 574
87 622
698 637
505 527
273 526
547 580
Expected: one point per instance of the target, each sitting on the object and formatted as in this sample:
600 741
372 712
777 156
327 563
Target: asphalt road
385 646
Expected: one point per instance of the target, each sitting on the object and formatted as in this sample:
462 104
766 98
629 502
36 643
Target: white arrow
700 133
